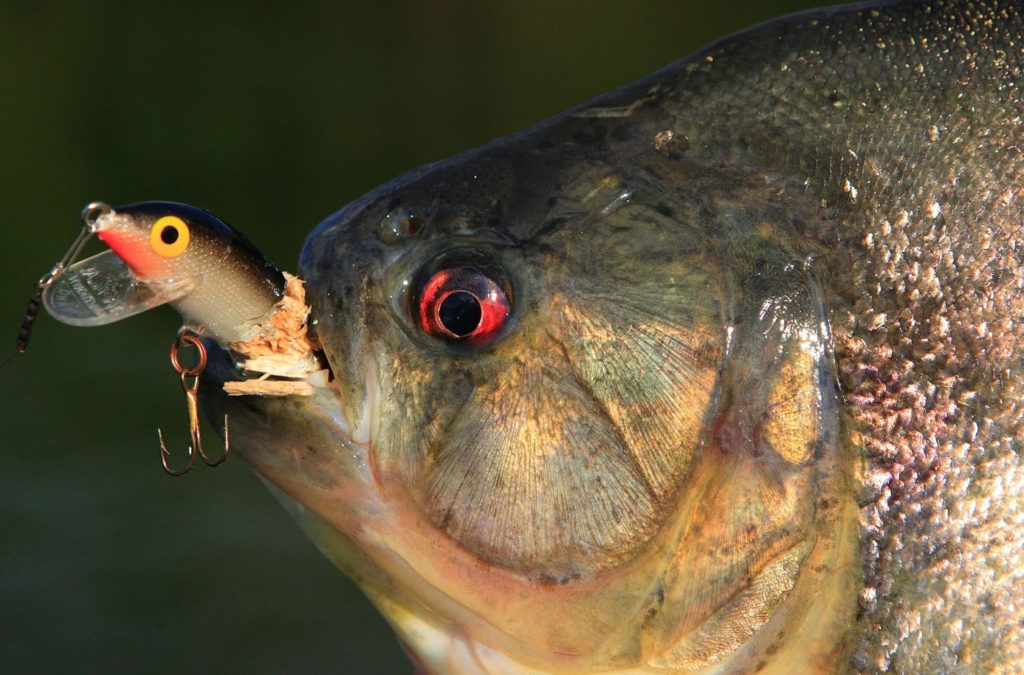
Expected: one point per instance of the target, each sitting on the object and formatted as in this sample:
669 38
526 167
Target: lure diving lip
165 252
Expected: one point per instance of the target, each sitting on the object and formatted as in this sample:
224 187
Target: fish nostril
400 224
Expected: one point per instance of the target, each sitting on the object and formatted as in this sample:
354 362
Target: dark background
273 119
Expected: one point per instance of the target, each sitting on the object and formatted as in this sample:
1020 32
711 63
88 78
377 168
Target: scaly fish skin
756 403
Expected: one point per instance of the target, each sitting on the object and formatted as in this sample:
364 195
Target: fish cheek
559 453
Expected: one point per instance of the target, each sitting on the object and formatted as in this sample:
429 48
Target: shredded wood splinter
282 349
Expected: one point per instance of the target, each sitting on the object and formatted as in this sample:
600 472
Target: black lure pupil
169 235
460 313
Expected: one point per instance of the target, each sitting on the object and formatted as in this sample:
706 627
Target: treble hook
190 385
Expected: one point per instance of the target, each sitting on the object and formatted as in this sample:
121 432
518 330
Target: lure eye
169 236
462 304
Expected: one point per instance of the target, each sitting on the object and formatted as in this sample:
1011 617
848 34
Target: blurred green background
273 118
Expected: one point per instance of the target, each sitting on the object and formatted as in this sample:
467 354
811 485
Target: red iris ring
462 304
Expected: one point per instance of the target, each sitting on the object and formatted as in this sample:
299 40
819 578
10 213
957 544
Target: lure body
165 252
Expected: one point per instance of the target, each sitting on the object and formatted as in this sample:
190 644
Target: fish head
579 420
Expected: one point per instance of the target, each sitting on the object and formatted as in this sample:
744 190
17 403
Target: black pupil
169 235
460 313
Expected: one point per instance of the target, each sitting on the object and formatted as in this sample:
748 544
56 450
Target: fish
164 252
717 372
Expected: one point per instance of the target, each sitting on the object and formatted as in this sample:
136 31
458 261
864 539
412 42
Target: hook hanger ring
188 340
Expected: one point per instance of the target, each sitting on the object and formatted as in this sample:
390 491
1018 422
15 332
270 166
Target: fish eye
463 304
169 236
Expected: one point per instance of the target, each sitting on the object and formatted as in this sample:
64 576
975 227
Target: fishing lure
164 252
170 253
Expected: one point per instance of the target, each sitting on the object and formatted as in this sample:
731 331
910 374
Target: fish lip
219 363
307 440
222 367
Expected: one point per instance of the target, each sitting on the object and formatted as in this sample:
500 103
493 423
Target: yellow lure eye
169 236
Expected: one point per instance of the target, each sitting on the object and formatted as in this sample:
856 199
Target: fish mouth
305 438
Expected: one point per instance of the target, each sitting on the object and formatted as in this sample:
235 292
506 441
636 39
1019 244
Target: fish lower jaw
435 609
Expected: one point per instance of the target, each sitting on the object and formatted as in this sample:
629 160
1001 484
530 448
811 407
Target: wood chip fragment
268 388
282 348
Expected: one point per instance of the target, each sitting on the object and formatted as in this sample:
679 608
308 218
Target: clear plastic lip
102 289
